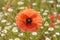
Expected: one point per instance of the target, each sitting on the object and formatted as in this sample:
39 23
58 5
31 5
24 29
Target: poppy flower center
28 20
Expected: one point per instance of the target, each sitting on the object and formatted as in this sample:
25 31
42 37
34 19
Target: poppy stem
42 32
27 35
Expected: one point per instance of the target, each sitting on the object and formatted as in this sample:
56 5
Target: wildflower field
29 19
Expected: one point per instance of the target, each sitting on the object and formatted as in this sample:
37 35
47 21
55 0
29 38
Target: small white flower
14 29
10 9
6 14
2 34
50 29
34 4
1 16
34 33
47 38
17 39
8 27
50 1
57 33
46 10
20 3
46 24
4 31
42 27
54 35
3 20
21 8
58 0
11 39
8 23
58 5
44 13
3 8
21 34
46 32
55 13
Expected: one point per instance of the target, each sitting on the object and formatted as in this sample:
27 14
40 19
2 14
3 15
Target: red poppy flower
29 20
52 17
59 16
52 25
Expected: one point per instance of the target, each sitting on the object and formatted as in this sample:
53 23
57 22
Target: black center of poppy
28 20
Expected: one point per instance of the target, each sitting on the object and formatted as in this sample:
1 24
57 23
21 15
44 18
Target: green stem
27 35
42 32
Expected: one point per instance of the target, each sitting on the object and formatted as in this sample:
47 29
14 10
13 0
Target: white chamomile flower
8 27
2 34
14 29
21 8
8 23
46 10
34 4
11 39
46 32
47 38
1 16
57 33
55 13
44 13
3 8
50 29
42 27
50 1
3 20
17 38
20 3
20 34
6 14
34 33
4 31
54 35
58 0
46 24
58 5
10 9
